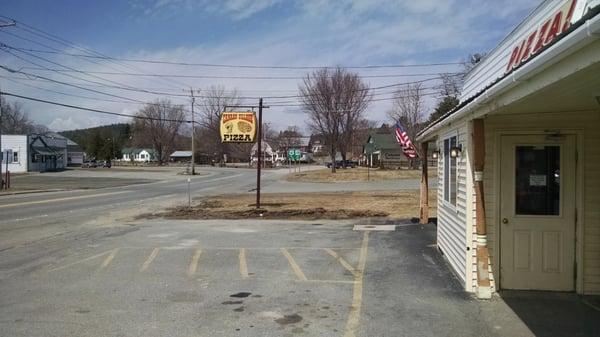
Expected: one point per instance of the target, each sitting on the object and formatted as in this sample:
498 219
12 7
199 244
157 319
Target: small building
181 157
382 150
33 153
138 155
15 153
268 156
519 159
317 145
75 154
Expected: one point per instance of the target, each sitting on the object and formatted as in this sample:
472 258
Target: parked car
105 164
340 164
89 164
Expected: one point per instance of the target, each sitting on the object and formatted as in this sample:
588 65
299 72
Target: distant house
382 150
317 145
75 154
31 153
181 156
295 143
140 155
268 156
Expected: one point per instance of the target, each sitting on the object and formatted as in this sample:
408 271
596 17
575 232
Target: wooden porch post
424 205
483 277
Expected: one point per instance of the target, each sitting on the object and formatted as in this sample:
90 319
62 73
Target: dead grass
311 206
356 174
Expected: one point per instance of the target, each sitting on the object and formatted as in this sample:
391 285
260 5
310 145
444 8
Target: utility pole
258 162
193 134
2 25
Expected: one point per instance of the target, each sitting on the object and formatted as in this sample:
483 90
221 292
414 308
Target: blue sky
259 32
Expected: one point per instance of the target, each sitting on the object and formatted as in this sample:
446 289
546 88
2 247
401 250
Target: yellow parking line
80 261
243 265
331 281
149 260
294 265
194 263
60 199
354 315
341 260
109 258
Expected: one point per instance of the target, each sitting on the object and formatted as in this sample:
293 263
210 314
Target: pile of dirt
204 213
301 206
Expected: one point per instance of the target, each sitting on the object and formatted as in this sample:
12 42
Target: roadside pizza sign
238 127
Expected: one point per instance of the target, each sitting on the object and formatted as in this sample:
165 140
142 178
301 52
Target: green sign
294 154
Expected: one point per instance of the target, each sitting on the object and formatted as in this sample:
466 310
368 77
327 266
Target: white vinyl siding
17 147
452 218
589 123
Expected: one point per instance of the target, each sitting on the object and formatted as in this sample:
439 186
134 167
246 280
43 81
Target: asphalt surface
79 264
54 213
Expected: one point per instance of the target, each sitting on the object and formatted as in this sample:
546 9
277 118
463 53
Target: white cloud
319 32
237 9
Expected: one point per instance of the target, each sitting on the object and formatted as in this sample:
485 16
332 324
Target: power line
216 65
116 86
40 33
227 77
85 97
68 84
204 96
90 109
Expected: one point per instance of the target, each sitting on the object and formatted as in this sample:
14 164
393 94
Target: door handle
505 221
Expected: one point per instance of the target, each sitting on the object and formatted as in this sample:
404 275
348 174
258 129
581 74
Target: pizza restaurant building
519 159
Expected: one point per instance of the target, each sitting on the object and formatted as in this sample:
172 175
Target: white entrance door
537 212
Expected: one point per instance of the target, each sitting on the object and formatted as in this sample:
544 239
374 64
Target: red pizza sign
558 23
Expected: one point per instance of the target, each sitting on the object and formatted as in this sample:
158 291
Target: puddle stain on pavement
289 319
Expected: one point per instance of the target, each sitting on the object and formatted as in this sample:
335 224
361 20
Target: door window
537 180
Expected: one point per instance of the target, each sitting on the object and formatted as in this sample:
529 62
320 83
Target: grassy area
393 204
356 174
38 182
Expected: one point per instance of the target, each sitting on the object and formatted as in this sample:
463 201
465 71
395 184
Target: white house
138 155
37 153
14 152
519 160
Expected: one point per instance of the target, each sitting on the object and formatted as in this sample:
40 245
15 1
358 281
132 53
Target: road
63 212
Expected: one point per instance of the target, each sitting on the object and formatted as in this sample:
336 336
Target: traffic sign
294 154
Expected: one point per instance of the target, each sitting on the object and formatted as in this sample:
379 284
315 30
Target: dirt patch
303 206
357 174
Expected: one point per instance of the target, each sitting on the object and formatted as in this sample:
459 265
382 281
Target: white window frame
447 166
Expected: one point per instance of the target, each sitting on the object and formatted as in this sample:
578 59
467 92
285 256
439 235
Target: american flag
407 146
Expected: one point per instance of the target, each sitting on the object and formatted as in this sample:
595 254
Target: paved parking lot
245 278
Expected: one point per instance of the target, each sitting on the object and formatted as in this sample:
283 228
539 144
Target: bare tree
408 109
335 100
159 124
211 107
14 120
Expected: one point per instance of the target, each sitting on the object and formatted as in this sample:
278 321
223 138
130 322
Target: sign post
242 127
258 162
